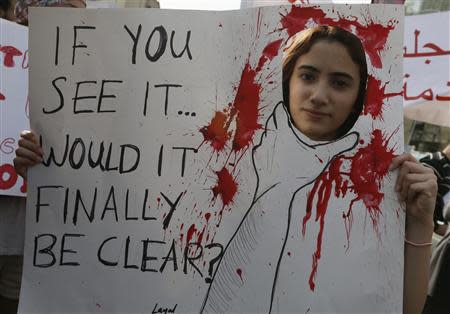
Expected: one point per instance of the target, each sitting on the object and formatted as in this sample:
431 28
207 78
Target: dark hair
5 5
301 45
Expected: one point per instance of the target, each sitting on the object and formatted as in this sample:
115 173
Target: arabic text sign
427 65
13 101
153 126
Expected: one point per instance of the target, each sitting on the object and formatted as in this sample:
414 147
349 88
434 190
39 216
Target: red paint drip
239 272
200 235
190 234
226 186
23 188
2 97
368 167
374 98
323 188
373 36
207 217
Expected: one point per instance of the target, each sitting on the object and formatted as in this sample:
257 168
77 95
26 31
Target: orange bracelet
418 244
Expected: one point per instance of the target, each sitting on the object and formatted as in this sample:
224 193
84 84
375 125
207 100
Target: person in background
22 7
440 163
7 9
438 301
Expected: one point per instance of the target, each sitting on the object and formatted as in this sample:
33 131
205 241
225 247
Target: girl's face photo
323 89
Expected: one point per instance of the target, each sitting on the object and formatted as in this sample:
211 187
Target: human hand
446 151
29 153
417 187
282 157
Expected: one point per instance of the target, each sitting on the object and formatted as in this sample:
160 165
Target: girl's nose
319 93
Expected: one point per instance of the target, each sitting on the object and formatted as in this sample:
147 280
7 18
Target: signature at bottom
157 309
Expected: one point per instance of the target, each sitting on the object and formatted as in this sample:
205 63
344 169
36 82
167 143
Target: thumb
327 151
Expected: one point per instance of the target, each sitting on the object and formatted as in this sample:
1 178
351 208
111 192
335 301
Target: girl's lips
315 114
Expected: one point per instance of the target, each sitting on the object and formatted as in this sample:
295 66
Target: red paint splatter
239 272
216 133
374 98
373 36
207 217
246 105
269 52
226 186
245 111
368 168
289 253
2 97
244 108
10 52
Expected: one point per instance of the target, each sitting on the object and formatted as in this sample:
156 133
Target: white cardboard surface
169 257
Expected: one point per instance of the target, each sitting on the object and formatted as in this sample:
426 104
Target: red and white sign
13 101
426 88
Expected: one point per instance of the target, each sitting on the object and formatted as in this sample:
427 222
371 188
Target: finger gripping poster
175 179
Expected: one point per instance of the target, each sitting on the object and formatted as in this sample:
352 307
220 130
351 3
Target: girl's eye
307 77
339 84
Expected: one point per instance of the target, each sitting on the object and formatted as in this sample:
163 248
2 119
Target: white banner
427 68
174 180
13 101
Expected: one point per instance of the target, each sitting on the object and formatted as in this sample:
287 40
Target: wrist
419 231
